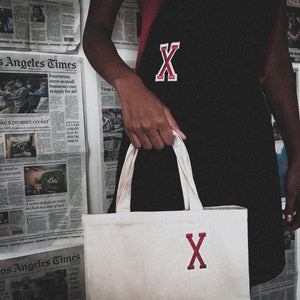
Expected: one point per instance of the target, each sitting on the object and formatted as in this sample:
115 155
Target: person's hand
148 122
292 208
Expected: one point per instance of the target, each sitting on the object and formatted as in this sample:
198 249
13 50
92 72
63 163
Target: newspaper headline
48 275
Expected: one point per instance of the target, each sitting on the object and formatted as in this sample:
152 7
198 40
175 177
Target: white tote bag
191 254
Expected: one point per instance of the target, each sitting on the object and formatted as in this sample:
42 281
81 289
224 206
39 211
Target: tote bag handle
190 195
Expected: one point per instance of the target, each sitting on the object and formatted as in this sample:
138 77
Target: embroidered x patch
196 254
167 64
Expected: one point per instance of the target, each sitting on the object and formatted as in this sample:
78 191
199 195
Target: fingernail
289 218
183 135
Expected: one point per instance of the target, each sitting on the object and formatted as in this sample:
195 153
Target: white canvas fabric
197 253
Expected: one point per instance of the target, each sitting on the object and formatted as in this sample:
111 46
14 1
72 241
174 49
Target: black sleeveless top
203 60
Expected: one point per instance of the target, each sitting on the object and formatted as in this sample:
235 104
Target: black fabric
218 103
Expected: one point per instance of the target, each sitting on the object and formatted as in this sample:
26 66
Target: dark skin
280 88
149 123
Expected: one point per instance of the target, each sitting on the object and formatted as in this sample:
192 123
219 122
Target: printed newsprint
51 26
127 28
284 286
113 127
293 33
49 275
42 152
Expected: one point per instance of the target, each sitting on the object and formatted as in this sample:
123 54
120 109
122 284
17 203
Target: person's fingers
164 132
291 226
173 124
146 143
137 135
156 140
155 134
134 140
166 136
290 206
151 132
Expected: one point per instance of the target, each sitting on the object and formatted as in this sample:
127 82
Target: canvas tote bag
191 254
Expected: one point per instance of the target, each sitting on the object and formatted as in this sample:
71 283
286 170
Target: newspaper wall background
127 28
293 33
283 287
52 26
45 276
112 124
42 152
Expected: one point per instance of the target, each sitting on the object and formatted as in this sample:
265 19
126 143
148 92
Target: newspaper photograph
42 152
127 27
52 275
51 26
282 162
276 132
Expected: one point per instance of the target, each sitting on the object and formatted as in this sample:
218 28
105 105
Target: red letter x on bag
196 251
167 64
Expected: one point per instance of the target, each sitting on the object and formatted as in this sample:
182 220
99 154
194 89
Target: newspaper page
45 25
284 286
49 275
293 33
110 114
42 152
113 127
127 28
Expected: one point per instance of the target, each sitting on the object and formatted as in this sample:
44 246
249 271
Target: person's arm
40 92
280 88
148 122
293 37
13 96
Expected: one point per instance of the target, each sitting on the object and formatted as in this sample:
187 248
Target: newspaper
110 114
52 26
113 127
53 275
284 286
42 152
127 27
293 33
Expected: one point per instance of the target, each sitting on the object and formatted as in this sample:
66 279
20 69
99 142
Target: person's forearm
280 88
100 49
293 37
147 121
103 56
283 102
